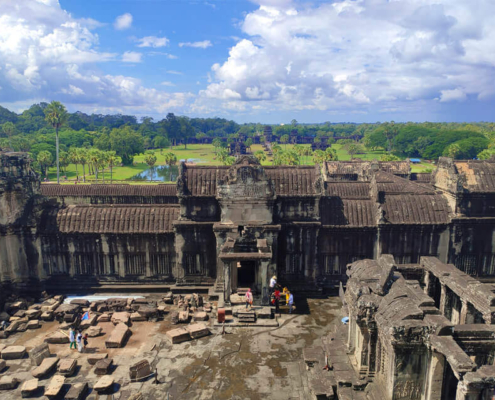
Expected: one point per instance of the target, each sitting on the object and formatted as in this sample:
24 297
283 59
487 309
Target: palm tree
8 128
102 163
74 159
94 158
260 155
150 159
44 159
284 139
56 115
83 159
112 160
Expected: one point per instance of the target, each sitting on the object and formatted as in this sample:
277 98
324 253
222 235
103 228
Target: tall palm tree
83 159
113 160
74 158
56 115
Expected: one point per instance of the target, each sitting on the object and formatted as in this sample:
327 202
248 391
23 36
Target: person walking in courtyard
72 338
85 340
249 299
79 342
276 296
291 302
286 293
273 283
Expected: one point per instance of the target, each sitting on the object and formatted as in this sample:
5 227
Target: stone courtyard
244 363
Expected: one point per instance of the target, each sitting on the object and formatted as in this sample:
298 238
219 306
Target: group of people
275 296
77 340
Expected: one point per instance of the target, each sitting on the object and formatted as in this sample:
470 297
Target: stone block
200 316
174 317
178 335
67 366
147 311
55 386
33 324
197 330
4 334
77 391
29 388
69 318
104 318
8 382
47 316
140 370
13 327
67 309
94 358
94 331
184 316
121 317
2 346
102 367
46 366
104 384
102 307
265 313
20 314
13 352
34 307
118 337
33 314
116 304
39 353
57 338
92 320
80 302
136 396
136 317
3 365
22 327
168 298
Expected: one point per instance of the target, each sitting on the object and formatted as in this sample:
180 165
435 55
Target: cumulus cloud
167 83
46 54
200 45
131 57
350 55
152 41
123 22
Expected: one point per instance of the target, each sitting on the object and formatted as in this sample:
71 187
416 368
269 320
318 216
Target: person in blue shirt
291 302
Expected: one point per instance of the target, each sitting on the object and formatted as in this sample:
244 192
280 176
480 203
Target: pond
162 173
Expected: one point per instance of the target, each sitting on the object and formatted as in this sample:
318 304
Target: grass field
202 154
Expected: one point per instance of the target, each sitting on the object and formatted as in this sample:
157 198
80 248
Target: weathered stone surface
136 317
200 316
46 366
77 391
33 314
57 338
13 352
104 317
178 335
121 317
104 384
174 317
183 316
102 367
55 386
94 331
197 330
3 365
47 316
119 336
80 302
39 353
67 309
147 311
34 324
67 366
92 320
29 388
94 358
8 382
116 304
136 396
140 370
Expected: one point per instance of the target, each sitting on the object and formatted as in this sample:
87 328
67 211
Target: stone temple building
225 227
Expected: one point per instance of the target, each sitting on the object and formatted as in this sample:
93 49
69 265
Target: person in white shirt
273 283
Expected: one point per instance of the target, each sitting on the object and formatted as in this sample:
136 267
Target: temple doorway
449 383
246 274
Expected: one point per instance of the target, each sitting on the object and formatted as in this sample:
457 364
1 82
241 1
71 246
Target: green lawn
204 154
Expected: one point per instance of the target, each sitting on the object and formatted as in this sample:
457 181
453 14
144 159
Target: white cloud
397 54
123 22
161 53
452 95
201 45
171 71
152 41
131 57
46 54
167 83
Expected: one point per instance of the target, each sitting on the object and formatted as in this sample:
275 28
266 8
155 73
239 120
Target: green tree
353 149
293 122
486 154
45 159
249 143
94 159
284 140
319 157
113 160
64 161
170 158
453 150
150 159
389 157
83 160
56 115
217 143
126 143
331 154
74 158
160 142
9 128
260 155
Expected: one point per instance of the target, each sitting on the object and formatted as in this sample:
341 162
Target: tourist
286 293
79 342
276 296
85 340
4 325
72 338
291 302
249 299
273 283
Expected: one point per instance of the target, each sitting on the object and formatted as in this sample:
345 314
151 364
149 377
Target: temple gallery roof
117 219
479 176
54 190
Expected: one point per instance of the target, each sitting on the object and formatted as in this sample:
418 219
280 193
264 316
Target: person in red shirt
276 295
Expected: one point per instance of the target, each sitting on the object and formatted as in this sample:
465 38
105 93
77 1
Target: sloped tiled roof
202 180
348 190
479 175
350 213
54 190
421 209
117 219
293 181
390 183
395 167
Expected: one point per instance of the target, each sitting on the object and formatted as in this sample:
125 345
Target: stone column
464 312
467 392
227 282
265 282
373 336
435 376
428 283
443 299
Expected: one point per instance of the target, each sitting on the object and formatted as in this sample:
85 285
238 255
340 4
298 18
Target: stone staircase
246 316
216 291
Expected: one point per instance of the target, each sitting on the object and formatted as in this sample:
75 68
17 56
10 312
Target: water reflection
162 173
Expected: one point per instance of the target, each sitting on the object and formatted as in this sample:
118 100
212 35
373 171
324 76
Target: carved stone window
294 264
161 263
135 264
194 263
330 264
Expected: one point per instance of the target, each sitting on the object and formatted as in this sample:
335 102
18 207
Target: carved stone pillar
373 336
443 299
435 376
464 312
227 282
467 392
428 284
265 280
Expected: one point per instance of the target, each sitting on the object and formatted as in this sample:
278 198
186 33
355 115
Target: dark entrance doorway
246 274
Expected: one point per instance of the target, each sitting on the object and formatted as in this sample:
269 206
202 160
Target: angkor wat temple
235 226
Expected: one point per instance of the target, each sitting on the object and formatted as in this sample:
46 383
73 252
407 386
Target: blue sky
253 61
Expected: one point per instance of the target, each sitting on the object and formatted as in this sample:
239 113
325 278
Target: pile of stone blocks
29 388
118 336
193 331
